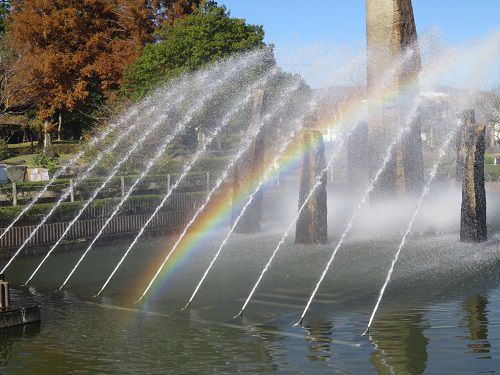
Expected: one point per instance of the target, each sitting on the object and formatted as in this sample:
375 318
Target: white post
14 194
122 184
71 190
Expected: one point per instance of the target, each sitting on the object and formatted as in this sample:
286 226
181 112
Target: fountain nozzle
299 322
239 315
186 307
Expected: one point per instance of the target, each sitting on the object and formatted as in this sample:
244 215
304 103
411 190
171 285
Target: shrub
4 150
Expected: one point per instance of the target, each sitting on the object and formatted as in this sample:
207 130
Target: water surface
440 314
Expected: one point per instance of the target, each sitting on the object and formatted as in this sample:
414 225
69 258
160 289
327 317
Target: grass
28 159
490 158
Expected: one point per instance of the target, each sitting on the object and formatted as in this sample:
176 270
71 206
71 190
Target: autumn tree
73 52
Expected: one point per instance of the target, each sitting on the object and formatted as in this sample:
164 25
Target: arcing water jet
200 102
236 108
426 190
243 149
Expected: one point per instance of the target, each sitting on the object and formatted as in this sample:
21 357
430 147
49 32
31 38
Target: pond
441 312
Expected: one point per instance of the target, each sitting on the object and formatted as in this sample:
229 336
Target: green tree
4 12
189 43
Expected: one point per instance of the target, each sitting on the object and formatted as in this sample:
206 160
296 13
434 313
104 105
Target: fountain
238 249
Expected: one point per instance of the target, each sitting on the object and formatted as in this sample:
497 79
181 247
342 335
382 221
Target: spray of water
72 161
199 80
425 192
67 193
236 108
91 199
243 149
390 73
317 184
167 94
387 158
160 151
121 137
289 139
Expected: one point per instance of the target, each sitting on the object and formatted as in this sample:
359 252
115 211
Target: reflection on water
400 343
319 339
477 323
8 337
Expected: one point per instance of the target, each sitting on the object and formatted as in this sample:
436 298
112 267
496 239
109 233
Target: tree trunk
59 126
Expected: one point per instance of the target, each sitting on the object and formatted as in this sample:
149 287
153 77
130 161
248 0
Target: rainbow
218 212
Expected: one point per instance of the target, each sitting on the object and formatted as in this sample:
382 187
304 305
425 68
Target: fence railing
179 210
16 193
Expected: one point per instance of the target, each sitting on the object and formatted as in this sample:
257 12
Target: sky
311 33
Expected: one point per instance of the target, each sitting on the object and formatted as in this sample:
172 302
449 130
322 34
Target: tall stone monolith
357 157
392 74
466 120
247 172
312 225
473 213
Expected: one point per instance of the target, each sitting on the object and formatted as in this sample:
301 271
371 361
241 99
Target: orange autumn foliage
66 46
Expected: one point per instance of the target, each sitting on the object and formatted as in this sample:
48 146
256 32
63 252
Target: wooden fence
177 213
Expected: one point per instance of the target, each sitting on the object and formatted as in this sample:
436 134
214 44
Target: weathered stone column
248 171
312 225
466 119
393 66
357 157
473 212
412 158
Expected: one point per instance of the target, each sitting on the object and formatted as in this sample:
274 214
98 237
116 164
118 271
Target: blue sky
304 30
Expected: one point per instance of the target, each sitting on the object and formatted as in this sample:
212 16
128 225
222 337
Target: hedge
157 184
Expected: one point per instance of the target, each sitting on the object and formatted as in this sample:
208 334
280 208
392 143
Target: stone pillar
392 44
248 171
473 212
466 120
312 226
411 152
357 157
